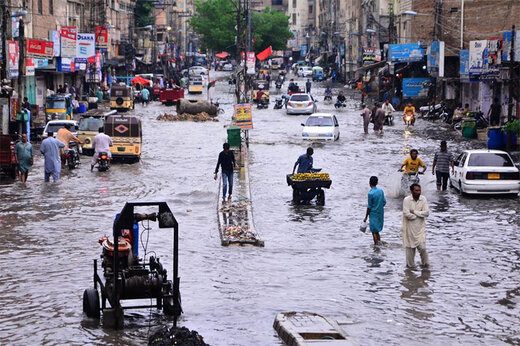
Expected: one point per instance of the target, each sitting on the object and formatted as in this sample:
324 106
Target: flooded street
315 258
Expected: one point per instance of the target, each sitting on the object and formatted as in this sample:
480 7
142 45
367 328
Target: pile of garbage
176 336
238 233
199 117
239 206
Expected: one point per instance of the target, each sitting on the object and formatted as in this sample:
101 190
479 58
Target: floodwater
315 258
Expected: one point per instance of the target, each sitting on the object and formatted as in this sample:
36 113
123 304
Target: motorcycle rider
101 143
411 164
259 94
340 101
65 136
328 94
409 110
388 109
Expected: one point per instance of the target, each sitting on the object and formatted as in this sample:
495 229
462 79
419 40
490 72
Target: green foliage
144 13
215 21
270 28
513 126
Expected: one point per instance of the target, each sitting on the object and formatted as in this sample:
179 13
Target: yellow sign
243 116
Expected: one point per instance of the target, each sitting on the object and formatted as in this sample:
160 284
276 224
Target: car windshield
489 160
90 124
300 98
319 121
56 104
56 126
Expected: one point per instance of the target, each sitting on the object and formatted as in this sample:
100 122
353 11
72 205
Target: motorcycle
409 119
278 103
72 156
327 98
340 104
102 162
278 84
407 180
389 119
262 104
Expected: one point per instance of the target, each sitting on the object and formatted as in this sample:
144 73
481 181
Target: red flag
265 54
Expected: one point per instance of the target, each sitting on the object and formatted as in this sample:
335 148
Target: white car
485 172
301 104
304 71
227 67
321 127
197 70
54 125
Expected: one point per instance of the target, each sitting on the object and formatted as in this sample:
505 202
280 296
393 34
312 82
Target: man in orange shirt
409 110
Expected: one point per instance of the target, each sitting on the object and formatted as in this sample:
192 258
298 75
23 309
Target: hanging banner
464 62
14 59
435 59
408 52
250 60
416 87
506 47
54 36
29 67
85 45
68 41
101 37
243 116
39 49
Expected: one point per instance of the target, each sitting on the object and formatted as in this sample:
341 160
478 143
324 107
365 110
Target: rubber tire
320 198
91 303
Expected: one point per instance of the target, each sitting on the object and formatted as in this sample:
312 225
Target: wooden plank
308 328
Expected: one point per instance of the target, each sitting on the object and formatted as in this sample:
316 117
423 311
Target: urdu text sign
243 116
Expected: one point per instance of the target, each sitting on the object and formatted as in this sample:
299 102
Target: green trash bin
233 135
469 128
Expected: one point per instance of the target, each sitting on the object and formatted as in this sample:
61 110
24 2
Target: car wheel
461 192
91 303
337 137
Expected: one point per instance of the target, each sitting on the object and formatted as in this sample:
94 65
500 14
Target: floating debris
237 233
176 336
199 117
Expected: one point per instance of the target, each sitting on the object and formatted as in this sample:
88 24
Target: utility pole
21 67
512 77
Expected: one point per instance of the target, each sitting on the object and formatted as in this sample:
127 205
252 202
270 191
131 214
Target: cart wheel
91 303
321 197
296 197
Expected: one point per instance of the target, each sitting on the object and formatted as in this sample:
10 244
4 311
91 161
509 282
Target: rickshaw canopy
123 126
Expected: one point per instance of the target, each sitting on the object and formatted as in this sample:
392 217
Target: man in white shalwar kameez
415 212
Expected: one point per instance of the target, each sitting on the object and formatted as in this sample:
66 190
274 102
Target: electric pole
512 77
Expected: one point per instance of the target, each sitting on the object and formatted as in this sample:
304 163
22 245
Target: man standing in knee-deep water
415 212
375 209
50 148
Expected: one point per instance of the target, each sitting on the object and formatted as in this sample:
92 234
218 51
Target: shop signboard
371 55
101 37
68 41
506 47
80 64
464 62
303 50
250 60
54 36
16 26
416 87
14 59
407 52
478 57
243 116
29 67
39 49
41 63
66 65
85 45
4 113
435 60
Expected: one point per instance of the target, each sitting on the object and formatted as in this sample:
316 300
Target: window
51 6
310 9
294 3
294 19
490 160
40 6
276 2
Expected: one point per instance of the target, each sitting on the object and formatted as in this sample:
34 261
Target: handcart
305 190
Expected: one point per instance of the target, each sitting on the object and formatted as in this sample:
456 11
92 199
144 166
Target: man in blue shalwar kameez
50 148
375 209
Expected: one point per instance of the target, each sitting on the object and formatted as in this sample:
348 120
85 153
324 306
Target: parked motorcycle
72 155
103 162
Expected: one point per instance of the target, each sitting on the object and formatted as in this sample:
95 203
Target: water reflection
417 293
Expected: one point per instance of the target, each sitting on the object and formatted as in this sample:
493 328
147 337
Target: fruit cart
306 186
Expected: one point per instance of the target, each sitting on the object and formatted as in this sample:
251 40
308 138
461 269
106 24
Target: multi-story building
303 20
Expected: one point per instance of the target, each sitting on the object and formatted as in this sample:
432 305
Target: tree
270 28
215 21
144 13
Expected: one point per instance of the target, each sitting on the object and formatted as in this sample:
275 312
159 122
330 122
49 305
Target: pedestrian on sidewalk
50 148
413 231
308 86
24 156
366 113
379 119
375 209
442 161
226 159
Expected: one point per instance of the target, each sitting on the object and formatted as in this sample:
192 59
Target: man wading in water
415 212
375 209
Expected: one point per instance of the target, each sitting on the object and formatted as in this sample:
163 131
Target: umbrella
222 55
140 80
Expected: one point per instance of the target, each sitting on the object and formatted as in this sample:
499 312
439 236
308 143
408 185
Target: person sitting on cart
304 162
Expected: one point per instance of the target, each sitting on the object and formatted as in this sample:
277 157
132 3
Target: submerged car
304 71
301 104
485 172
321 127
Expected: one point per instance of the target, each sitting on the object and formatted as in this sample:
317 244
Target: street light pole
21 67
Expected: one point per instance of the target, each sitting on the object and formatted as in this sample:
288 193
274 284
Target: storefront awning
372 66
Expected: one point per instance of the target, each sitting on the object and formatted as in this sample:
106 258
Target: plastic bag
363 227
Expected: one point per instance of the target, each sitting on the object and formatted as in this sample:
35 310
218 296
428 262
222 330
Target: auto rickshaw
89 125
126 135
121 97
195 84
58 107
317 74
261 84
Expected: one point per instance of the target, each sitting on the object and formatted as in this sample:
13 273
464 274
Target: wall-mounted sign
13 59
408 52
85 45
39 49
243 116
68 41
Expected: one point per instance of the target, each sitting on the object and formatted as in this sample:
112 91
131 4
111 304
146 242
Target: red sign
40 49
101 37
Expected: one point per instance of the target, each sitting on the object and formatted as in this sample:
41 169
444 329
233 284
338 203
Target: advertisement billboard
478 57
39 49
243 116
435 60
85 45
101 37
54 36
29 67
464 62
416 87
68 41
408 52
371 55
66 65
13 59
